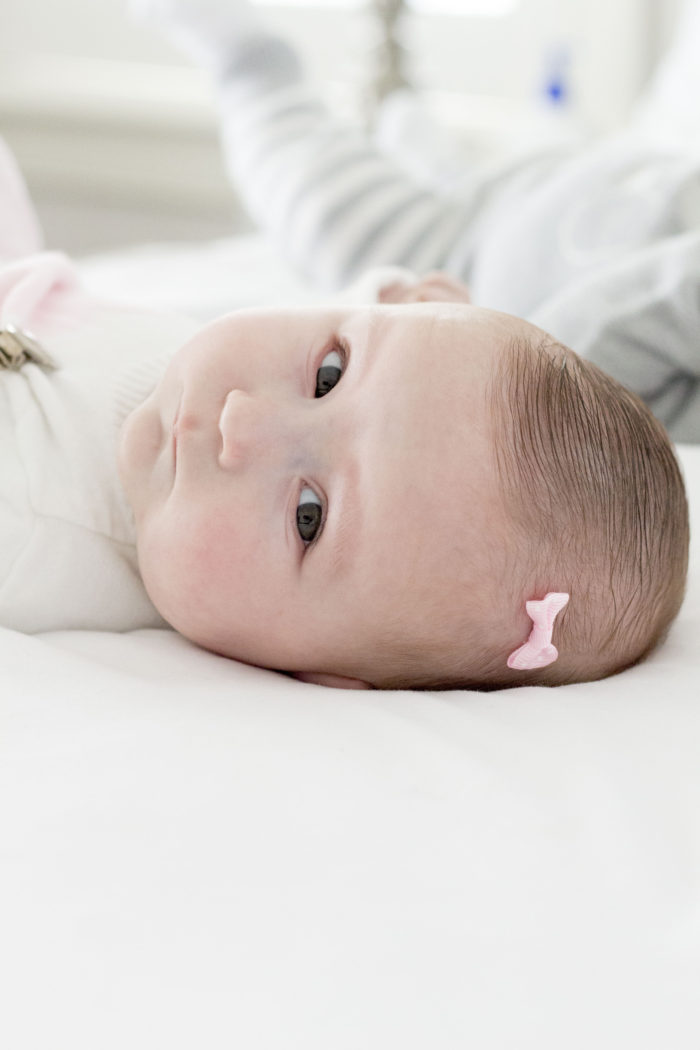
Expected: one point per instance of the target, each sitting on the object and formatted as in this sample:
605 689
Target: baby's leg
323 189
334 202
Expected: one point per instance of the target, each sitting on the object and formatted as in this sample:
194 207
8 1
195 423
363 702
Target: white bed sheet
199 853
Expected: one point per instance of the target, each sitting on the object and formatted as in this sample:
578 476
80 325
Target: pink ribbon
538 650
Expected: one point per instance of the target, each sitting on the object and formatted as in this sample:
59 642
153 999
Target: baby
552 483
363 496
413 492
460 463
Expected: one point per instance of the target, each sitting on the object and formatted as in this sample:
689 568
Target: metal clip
17 347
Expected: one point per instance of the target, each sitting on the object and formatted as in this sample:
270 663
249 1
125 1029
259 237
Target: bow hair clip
538 650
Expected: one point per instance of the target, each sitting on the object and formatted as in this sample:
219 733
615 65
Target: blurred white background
117 136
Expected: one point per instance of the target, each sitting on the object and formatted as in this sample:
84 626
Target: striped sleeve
328 196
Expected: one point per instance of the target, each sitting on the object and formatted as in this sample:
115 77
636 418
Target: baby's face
394 465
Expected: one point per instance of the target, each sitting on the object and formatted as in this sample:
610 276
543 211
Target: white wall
117 134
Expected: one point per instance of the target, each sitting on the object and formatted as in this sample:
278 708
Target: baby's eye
309 514
329 373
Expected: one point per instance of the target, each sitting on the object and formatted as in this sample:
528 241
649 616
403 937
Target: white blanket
199 853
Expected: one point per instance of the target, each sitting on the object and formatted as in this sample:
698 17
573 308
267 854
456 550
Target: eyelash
341 347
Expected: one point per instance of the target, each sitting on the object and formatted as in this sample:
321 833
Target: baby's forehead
438 321
440 387
463 325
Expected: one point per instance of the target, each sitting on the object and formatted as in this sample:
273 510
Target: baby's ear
434 287
335 681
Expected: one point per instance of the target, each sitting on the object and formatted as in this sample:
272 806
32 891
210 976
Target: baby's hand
434 287
204 30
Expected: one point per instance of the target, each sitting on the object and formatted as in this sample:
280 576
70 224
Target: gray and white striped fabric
599 246
332 200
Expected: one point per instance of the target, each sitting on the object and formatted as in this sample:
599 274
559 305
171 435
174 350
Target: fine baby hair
597 521
599 501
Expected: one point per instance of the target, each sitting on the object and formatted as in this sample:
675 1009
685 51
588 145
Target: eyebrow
349 519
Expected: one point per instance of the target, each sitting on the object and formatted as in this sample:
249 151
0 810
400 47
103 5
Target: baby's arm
323 189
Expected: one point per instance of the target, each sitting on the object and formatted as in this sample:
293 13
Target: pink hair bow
538 650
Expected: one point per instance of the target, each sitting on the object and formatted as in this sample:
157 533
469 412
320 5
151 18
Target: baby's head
450 463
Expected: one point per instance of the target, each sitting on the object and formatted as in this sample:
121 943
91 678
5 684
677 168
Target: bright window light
468 8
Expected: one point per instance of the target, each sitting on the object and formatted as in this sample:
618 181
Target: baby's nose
249 427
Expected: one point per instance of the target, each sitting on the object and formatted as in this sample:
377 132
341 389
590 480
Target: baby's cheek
215 572
209 578
219 547
180 563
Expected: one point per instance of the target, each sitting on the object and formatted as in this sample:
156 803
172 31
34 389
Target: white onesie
67 538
